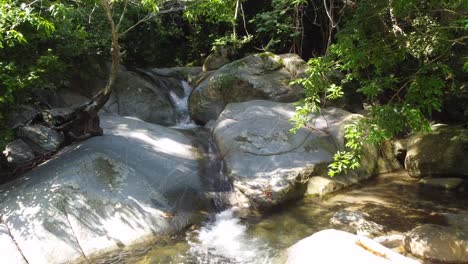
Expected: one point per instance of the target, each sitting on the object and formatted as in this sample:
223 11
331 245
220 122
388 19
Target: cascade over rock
259 76
270 165
137 182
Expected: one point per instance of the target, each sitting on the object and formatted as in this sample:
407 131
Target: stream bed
393 200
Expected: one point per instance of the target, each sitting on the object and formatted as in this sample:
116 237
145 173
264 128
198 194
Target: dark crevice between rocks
64 209
12 238
219 188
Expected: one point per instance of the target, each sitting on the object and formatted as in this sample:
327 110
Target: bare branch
122 16
150 16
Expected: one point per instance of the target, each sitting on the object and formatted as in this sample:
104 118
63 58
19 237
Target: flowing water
393 200
181 106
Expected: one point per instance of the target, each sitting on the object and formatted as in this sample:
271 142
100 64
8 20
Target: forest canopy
404 61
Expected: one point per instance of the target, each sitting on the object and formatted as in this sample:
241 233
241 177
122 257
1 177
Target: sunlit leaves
401 56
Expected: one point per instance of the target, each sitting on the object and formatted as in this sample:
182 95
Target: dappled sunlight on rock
137 182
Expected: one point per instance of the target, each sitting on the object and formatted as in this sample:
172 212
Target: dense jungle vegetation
404 60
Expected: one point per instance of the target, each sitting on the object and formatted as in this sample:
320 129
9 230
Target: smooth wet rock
442 183
136 183
9 251
441 152
259 76
18 152
333 246
356 222
44 137
138 97
437 243
270 165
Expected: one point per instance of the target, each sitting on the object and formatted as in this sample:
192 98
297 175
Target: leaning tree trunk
84 121
78 124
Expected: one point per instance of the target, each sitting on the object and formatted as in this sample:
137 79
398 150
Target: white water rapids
225 240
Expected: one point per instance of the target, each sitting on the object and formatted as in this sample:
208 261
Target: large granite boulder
259 76
438 243
333 246
267 163
441 152
136 183
11 254
138 97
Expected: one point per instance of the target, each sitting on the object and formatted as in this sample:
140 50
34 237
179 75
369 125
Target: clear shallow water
393 200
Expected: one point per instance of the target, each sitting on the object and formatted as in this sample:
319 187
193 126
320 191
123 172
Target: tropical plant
403 57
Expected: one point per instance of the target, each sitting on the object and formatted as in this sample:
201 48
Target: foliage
280 28
402 56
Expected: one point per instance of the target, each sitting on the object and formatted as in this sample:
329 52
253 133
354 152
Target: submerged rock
356 222
136 183
260 76
267 163
442 183
437 243
441 152
333 246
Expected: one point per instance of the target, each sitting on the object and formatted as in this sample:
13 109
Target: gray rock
21 115
264 160
333 246
347 217
218 58
437 243
18 152
44 137
295 65
390 241
441 152
10 253
260 76
182 73
375 160
134 184
356 222
71 98
135 96
442 183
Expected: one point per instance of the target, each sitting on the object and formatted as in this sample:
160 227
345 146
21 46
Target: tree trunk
84 122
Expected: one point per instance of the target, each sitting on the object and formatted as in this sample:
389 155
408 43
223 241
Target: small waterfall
181 106
225 240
